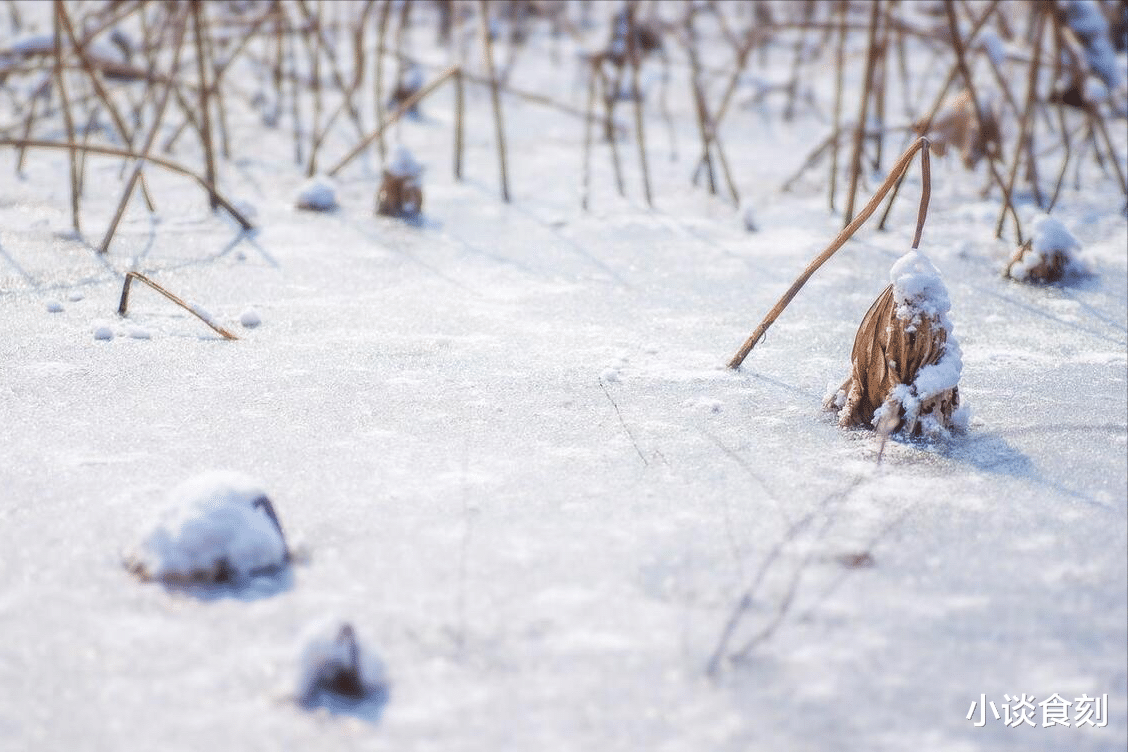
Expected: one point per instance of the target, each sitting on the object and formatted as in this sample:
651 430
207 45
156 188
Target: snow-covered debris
335 667
138 332
906 364
1048 255
319 193
54 306
219 527
401 193
250 318
102 331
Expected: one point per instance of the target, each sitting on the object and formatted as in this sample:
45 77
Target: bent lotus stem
123 305
922 145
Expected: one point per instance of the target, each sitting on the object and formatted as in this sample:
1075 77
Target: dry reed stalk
980 117
839 70
608 111
399 112
124 304
41 91
158 118
68 121
204 93
847 232
495 97
1026 122
860 128
111 151
634 55
378 75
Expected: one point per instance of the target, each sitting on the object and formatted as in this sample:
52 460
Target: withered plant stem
148 145
840 66
398 113
1026 122
902 164
495 97
111 151
863 115
205 115
124 304
589 126
634 54
68 120
459 121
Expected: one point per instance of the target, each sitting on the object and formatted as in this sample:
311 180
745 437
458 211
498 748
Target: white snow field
503 443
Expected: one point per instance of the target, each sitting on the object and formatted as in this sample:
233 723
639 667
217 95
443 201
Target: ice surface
218 526
537 570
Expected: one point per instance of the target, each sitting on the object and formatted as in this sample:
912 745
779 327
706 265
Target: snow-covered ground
504 445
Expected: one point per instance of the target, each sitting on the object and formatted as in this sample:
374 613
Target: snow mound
250 318
403 164
1049 255
54 306
102 331
319 193
919 290
337 671
219 527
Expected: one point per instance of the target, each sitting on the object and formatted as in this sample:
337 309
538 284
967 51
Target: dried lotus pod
956 126
1047 256
905 364
400 196
401 192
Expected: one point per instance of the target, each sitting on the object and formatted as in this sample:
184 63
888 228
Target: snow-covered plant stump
401 193
319 193
905 364
219 528
1048 255
335 667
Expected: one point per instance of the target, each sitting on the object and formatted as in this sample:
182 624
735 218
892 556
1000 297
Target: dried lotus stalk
904 366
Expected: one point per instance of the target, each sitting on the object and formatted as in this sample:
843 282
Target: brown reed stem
1025 123
634 54
495 97
68 121
860 129
399 112
204 92
111 151
147 147
122 306
847 232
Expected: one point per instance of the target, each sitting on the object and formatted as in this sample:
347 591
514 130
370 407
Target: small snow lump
337 671
218 528
319 193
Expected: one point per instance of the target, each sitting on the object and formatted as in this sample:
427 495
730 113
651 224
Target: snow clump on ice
250 318
336 668
403 164
1049 255
319 193
219 527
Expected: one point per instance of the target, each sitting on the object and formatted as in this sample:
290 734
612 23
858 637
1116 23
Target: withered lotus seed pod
401 192
905 365
1047 256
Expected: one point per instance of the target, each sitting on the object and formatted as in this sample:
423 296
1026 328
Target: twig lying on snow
130 276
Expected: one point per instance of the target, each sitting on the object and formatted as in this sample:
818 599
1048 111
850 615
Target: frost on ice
337 671
219 528
319 193
906 364
1048 255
